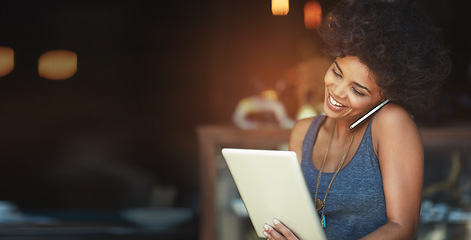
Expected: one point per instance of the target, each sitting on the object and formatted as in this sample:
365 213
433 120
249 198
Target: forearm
392 231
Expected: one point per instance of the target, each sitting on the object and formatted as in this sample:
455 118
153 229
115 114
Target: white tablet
271 185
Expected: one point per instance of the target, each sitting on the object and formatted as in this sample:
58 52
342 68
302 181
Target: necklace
320 205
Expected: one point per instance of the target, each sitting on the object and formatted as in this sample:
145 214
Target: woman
366 179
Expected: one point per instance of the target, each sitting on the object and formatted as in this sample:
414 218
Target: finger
271 233
284 230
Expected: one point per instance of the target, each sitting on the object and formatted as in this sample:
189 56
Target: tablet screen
271 185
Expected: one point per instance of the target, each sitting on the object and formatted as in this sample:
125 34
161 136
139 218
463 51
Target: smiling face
350 89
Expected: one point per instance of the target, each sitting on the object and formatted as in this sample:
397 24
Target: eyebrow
361 86
336 64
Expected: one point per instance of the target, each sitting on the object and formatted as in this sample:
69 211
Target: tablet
271 185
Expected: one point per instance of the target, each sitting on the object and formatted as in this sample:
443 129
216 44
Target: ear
383 94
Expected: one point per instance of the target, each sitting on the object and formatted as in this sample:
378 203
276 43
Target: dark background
149 72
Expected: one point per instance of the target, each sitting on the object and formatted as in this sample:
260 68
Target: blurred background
119 130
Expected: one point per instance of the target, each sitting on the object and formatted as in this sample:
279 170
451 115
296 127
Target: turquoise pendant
323 221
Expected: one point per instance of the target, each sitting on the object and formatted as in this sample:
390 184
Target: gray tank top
355 205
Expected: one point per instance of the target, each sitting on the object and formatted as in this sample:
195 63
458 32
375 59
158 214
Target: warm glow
312 14
57 64
280 7
270 95
7 60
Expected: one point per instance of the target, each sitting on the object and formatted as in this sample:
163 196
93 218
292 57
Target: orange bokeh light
280 7
57 64
7 60
312 14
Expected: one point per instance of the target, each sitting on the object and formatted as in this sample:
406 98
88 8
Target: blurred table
66 225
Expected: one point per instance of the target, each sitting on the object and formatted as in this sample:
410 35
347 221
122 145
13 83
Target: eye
357 92
336 73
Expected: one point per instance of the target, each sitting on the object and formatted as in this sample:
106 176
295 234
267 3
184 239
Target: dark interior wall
453 107
125 120
148 74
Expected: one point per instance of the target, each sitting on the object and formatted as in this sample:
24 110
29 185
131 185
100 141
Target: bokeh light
57 64
7 60
312 14
280 7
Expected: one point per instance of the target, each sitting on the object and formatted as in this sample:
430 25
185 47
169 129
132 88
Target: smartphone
368 114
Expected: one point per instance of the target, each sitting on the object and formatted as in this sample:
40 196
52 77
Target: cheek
328 80
364 104
361 102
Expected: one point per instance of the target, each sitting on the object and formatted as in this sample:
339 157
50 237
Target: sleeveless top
355 205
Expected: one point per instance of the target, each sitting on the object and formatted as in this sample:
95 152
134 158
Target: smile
333 102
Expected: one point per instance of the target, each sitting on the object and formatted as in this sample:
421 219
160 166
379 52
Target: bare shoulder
302 125
297 135
393 118
299 130
393 125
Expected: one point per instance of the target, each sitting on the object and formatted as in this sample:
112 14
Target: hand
283 234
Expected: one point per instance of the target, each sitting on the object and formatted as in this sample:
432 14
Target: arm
400 152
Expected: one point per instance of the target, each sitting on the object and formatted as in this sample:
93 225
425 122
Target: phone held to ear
368 114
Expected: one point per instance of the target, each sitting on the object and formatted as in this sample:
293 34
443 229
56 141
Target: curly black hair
397 43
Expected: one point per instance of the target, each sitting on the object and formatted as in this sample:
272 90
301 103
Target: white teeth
335 103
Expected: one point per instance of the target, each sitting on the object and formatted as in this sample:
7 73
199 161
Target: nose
339 89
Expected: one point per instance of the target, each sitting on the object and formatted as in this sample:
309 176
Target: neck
342 128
